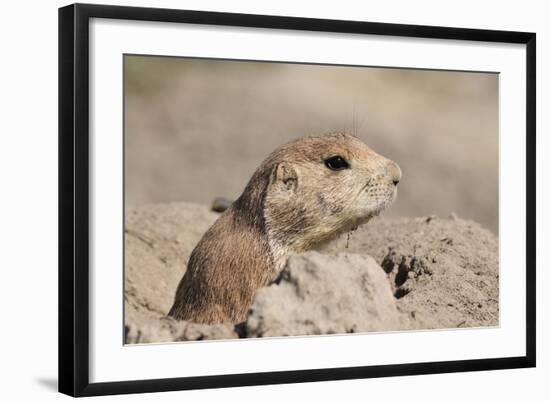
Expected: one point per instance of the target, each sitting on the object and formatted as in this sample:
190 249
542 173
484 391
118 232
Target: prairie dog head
320 186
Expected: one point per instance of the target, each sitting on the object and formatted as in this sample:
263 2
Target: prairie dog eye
336 163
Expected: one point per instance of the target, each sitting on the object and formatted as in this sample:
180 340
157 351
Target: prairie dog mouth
381 207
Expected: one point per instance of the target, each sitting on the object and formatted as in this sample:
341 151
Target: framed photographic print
251 199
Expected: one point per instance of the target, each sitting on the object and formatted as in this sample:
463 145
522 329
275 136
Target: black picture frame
74 198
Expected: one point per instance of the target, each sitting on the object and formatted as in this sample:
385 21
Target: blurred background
196 129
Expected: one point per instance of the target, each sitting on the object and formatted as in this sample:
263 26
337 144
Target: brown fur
292 203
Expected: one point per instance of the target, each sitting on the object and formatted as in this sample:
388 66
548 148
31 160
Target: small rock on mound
325 294
160 330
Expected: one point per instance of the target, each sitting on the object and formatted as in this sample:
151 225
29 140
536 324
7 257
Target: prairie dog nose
394 172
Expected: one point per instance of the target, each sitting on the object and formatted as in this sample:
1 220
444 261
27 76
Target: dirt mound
443 271
427 273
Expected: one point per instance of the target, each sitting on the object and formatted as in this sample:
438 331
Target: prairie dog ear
284 177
